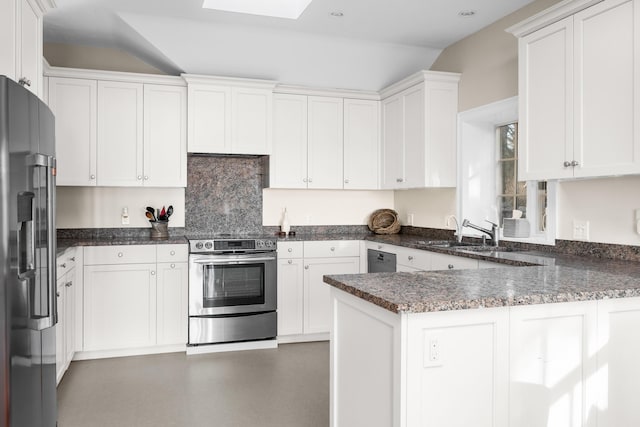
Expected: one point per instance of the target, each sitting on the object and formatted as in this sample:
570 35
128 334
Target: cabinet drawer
452 262
384 247
65 262
331 248
125 254
290 250
414 258
173 253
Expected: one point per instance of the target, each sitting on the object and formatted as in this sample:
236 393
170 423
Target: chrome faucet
493 233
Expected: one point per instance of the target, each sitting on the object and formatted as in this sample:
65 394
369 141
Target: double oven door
232 297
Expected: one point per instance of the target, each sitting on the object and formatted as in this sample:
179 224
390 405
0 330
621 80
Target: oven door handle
227 260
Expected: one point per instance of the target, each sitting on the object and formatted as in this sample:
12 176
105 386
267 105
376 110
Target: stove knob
199 245
208 245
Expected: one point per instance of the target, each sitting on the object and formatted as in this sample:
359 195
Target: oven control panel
231 245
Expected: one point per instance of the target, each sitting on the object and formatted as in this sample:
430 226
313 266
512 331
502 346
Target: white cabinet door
165 136
414 141
209 119
393 142
317 304
552 359
607 57
618 378
172 303
290 296
452 262
251 120
29 49
440 133
60 330
8 39
120 132
119 306
74 105
546 102
325 139
361 144
288 163
69 316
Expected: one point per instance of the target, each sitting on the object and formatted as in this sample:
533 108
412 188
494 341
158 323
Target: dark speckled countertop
64 244
540 278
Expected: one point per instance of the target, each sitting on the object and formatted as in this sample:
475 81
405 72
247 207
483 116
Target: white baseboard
289 339
105 354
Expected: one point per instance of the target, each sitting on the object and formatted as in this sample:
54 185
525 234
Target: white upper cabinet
165 136
74 104
229 116
361 144
288 163
325 134
117 133
419 131
324 142
579 92
21 41
120 133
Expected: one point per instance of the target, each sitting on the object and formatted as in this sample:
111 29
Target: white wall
323 207
608 204
429 207
87 207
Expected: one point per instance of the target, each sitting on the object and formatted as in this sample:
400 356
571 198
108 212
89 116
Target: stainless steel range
232 290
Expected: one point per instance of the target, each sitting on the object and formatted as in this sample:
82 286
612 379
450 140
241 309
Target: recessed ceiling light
337 14
466 13
290 9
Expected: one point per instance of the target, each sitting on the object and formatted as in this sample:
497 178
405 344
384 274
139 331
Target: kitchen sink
473 247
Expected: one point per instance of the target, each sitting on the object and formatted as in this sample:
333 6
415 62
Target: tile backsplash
224 194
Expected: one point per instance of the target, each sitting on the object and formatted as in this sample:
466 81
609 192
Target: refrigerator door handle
26 235
49 316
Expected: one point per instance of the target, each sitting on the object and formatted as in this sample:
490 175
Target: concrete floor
283 387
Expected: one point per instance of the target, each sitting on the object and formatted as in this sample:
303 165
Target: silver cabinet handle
146 178
304 180
333 249
290 249
72 258
410 258
153 273
575 163
346 181
310 180
139 177
290 261
25 81
58 294
172 253
92 177
306 267
173 266
63 265
450 266
567 163
120 254
400 180
68 284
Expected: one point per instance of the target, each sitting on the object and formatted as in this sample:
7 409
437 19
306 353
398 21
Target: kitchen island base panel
574 362
234 346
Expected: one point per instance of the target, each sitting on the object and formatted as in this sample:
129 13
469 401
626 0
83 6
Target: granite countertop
64 244
558 278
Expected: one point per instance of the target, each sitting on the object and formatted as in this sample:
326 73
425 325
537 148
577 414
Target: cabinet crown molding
228 81
417 78
550 15
334 93
81 73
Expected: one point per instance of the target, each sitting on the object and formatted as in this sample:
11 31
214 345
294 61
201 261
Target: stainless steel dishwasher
380 262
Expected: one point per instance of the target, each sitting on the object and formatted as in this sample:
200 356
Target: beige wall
95 58
429 206
488 60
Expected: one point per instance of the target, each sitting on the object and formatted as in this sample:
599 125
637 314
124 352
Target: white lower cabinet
119 306
66 289
452 262
135 300
543 365
303 298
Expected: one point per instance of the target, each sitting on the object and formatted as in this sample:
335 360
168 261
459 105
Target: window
488 187
513 194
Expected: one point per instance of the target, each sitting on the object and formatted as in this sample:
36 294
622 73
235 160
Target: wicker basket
384 221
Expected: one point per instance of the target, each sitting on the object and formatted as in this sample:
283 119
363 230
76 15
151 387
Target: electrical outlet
432 351
581 230
410 219
125 216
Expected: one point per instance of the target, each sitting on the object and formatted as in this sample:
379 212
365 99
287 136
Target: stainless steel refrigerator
27 259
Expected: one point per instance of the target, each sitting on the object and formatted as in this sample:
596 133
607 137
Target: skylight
290 9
